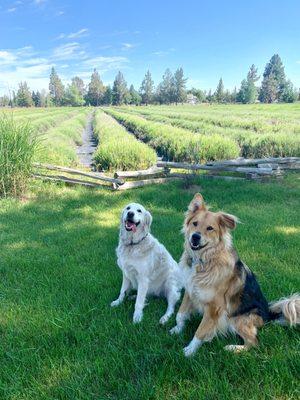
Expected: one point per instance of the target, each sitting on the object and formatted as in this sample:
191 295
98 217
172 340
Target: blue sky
209 39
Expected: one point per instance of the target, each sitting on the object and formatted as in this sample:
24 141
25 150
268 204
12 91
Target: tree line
275 87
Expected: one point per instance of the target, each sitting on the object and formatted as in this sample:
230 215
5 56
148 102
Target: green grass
177 144
119 149
61 340
18 145
259 130
60 141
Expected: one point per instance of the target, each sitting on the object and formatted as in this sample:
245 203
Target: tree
147 88
78 82
73 97
56 88
24 96
4 101
179 86
120 91
269 89
219 94
200 94
273 80
166 89
289 93
95 90
108 96
135 97
248 92
37 99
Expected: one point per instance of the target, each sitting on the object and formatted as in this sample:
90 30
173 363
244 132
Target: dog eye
139 210
210 228
195 223
128 208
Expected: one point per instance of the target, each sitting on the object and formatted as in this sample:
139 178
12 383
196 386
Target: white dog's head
135 222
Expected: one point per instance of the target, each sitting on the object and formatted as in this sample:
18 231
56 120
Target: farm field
60 339
200 133
59 131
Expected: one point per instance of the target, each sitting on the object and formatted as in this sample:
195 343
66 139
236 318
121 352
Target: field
60 339
205 132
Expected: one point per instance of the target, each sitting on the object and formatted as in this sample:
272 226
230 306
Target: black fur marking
252 299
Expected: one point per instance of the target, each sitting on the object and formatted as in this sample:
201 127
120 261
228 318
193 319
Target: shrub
18 144
119 149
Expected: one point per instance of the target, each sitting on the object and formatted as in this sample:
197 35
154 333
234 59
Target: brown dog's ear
197 203
228 220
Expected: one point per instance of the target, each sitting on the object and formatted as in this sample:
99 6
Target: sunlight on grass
287 230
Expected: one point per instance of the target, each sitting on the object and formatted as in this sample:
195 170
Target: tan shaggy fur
214 284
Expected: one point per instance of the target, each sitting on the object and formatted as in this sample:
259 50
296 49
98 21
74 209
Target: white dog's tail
286 310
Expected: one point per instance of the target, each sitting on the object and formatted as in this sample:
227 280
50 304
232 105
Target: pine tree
24 98
273 80
120 91
78 82
56 88
167 88
219 93
108 96
73 96
135 97
248 91
289 93
147 88
96 90
180 86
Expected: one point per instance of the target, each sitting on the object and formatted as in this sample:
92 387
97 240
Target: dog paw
191 349
137 317
115 303
164 319
175 330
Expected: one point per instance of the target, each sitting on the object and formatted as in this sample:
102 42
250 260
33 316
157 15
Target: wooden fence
240 168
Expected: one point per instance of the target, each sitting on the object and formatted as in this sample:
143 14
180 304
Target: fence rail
164 171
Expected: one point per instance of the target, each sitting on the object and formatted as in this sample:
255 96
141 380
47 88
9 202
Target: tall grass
261 135
118 149
177 144
18 144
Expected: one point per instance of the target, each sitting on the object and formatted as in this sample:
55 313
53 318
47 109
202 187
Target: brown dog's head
204 229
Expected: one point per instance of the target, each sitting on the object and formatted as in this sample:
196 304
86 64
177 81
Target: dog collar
134 243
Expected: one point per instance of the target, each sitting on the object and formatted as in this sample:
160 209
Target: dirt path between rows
86 150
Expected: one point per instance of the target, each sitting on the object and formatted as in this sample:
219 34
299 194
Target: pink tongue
133 228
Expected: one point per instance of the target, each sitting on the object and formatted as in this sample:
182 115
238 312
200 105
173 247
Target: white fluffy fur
146 265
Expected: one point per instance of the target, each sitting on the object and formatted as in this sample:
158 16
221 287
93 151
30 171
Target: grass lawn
61 340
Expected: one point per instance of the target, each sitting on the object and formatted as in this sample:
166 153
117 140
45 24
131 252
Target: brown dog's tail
287 310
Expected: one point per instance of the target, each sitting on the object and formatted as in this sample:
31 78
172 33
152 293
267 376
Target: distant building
191 99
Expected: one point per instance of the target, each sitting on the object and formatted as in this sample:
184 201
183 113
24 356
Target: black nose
130 214
196 237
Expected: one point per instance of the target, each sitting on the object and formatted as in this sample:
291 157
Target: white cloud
128 45
11 10
104 64
163 52
70 59
68 51
60 13
81 33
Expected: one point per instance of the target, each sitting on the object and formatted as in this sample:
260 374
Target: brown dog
221 286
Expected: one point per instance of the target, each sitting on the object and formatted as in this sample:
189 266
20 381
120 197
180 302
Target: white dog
146 264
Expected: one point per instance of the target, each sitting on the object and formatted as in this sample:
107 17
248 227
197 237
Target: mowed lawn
61 340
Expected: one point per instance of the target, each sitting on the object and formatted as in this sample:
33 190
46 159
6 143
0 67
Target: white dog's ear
148 219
